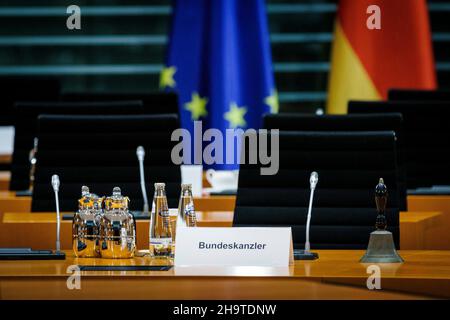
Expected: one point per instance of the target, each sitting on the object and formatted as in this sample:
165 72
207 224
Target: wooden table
9 202
337 274
5 158
37 230
426 230
227 203
5 176
441 238
4 180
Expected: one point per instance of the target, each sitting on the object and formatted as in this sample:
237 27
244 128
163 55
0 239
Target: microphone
55 185
313 179
28 253
307 254
140 153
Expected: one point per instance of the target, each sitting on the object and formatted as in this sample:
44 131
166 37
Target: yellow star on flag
272 101
236 116
166 77
197 106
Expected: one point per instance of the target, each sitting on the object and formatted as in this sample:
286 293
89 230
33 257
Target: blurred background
122 43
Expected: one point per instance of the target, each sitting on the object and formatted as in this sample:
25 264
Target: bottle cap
185 186
160 185
116 192
116 201
84 191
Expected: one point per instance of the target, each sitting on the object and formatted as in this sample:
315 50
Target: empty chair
426 136
418 95
14 89
26 129
155 103
349 166
100 152
352 122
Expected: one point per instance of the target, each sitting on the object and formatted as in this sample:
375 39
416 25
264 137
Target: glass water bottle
160 225
186 211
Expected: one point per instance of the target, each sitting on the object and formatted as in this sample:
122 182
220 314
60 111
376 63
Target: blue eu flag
219 63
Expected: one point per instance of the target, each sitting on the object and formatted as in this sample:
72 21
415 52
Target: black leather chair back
349 166
155 103
351 122
418 95
13 88
26 128
426 134
100 152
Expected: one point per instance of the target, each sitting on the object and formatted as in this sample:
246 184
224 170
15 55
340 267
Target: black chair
352 122
426 134
155 103
349 166
26 129
418 95
14 89
100 152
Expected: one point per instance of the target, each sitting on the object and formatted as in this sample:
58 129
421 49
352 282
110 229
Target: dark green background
122 43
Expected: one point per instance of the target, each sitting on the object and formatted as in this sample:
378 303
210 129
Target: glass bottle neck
186 193
160 192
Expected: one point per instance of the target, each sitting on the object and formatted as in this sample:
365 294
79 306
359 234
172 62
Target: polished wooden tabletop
336 275
37 230
4 180
336 272
422 227
5 158
9 202
227 203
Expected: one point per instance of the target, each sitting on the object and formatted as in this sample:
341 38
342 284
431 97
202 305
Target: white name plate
233 247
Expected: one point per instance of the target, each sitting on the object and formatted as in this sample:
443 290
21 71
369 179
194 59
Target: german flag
378 45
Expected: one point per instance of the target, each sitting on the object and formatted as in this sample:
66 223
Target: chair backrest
14 89
26 128
155 103
350 123
425 133
100 152
349 166
418 95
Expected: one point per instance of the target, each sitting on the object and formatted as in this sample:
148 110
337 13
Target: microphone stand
307 254
30 254
140 153
55 185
